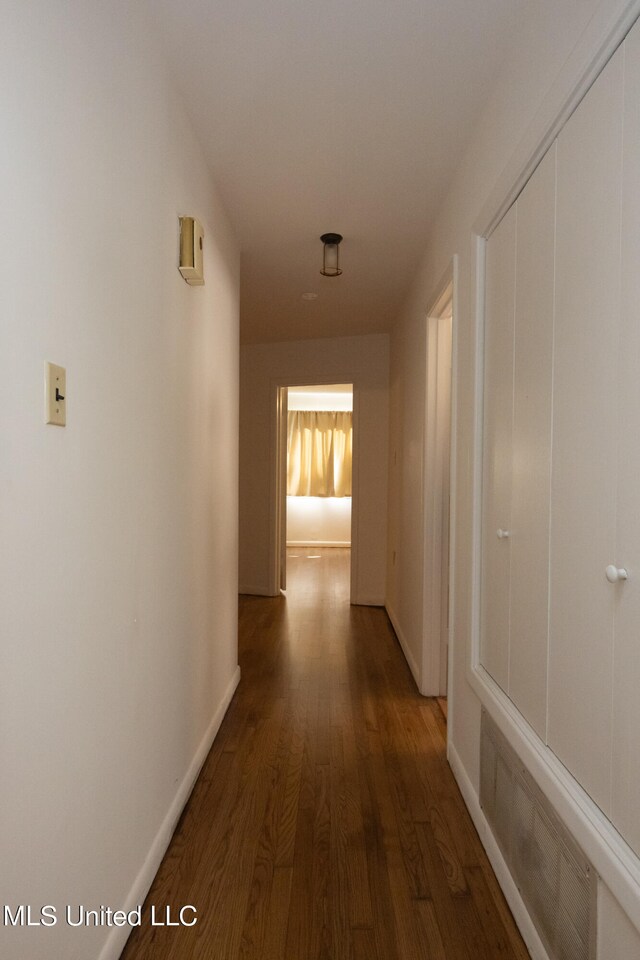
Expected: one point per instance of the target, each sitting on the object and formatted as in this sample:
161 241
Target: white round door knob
503 534
613 574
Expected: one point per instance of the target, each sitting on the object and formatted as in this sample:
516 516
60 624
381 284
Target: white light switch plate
55 395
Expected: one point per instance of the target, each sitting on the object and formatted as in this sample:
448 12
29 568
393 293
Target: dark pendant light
331 255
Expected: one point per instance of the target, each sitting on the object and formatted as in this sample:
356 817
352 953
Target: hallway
326 822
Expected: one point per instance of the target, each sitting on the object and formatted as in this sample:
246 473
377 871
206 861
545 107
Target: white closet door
585 419
533 357
626 691
498 424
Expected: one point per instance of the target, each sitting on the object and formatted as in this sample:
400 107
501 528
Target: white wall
331 396
362 361
324 521
118 588
544 53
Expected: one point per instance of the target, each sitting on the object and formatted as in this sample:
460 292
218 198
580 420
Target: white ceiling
345 116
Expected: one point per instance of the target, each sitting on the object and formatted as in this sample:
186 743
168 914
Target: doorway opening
315 443
437 495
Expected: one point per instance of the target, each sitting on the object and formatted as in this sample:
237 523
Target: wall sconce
331 255
191 240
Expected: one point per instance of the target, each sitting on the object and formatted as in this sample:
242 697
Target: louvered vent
556 882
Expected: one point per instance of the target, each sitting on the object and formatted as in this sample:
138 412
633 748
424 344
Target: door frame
438 479
278 482
282 416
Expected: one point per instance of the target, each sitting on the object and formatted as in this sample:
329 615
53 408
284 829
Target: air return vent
556 882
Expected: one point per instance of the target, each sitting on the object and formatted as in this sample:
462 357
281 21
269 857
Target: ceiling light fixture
331 255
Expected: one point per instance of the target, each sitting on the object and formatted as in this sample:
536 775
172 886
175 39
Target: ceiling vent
556 882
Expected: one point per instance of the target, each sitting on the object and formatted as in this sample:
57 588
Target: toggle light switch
55 395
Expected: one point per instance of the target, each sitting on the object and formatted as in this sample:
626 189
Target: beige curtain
319 453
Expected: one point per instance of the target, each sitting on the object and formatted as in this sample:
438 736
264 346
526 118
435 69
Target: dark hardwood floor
326 823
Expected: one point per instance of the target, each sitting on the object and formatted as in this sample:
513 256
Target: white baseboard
254 591
366 602
413 666
501 870
118 936
318 543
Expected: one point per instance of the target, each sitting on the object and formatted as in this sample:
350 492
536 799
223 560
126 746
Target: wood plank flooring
326 823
